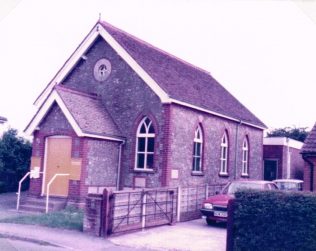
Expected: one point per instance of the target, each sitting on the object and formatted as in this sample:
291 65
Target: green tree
15 154
297 133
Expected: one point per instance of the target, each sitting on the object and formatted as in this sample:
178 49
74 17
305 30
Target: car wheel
210 222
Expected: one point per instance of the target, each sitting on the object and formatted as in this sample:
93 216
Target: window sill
144 171
197 173
223 175
244 175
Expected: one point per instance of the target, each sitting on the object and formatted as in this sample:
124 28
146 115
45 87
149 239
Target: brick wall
297 164
55 124
102 163
280 153
128 99
307 174
183 124
275 153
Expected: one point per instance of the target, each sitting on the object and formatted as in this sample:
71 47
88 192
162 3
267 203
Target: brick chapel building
122 113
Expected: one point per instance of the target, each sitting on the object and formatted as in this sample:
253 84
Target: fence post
143 209
230 225
106 224
179 204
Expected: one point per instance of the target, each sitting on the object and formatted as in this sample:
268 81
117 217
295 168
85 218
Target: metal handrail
19 190
48 186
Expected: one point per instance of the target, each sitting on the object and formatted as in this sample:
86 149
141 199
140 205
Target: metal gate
139 209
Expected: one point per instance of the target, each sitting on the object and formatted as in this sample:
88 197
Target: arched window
245 158
224 155
197 150
145 145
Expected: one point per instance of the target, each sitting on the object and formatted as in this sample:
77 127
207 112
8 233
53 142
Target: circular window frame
102 69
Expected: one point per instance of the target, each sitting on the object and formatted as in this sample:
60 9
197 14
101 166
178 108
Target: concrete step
30 208
32 204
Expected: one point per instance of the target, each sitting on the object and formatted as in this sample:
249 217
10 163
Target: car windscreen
289 186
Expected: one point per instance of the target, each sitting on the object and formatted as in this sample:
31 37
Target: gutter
312 172
118 180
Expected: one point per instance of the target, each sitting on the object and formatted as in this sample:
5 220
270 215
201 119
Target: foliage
297 133
275 220
69 218
15 154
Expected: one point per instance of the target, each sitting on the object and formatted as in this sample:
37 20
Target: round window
102 69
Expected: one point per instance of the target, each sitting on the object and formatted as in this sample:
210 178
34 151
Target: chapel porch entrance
57 161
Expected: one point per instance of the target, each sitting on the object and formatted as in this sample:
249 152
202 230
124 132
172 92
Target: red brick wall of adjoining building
280 153
297 164
272 152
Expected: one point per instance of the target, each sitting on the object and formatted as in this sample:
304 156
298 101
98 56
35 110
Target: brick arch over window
245 157
224 154
197 150
145 145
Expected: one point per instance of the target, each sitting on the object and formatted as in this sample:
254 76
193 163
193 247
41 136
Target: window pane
140 160
151 145
193 164
198 149
150 161
151 129
198 164
141 144
147 121
224 149
143 129
194 149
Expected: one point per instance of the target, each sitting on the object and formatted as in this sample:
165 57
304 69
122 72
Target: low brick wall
92 223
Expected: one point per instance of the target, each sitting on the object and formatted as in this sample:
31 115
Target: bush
15 154
274 220
2 187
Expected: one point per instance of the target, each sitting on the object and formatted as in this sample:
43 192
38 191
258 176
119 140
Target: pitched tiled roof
89 113
310 142
182 81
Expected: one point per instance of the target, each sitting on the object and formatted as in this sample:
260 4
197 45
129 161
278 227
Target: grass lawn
69 218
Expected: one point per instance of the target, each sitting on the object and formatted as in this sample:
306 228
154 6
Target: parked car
289 184
214 209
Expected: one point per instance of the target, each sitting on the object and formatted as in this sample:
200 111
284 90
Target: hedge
274 220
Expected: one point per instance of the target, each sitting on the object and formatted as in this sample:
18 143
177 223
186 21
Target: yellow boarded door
58 160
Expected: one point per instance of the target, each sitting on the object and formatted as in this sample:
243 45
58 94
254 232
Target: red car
214 208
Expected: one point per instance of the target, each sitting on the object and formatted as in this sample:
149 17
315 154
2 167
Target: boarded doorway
58 160
270 169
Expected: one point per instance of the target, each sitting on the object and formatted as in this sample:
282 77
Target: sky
261 51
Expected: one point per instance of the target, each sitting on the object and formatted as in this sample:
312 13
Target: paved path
54 239
192 235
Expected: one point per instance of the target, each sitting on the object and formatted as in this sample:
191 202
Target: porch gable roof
84 112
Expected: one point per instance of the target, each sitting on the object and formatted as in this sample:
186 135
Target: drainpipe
236 148
119 166
312 172
288 159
